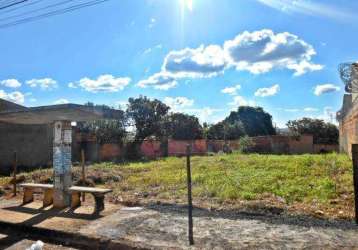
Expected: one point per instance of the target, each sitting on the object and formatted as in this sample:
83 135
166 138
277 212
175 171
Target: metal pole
83 172
15 172
355 178
190 204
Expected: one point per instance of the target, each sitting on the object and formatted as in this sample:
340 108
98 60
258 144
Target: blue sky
202 57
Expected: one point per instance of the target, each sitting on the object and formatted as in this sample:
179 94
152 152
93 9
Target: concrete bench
98 194
29 189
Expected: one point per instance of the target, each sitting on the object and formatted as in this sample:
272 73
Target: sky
201 57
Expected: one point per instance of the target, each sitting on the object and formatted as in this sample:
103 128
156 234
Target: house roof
62 112
6 105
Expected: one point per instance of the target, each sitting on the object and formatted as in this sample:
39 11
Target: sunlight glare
187 3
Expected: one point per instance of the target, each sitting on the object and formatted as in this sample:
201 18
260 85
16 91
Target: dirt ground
164 226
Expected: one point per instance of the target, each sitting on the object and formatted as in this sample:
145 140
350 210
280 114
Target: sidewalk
165 227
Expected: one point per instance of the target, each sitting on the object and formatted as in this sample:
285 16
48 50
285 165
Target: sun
187 3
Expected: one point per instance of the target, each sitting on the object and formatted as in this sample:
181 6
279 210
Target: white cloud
205 114
177 104
309 109
161 80
33 100
11 83
241 101
257 52
122 104
261 51
72 85
312 8
231 90
271 91
326 88
328 115
44 83
104 83
61 101
201 62
152 23
147 51
15 96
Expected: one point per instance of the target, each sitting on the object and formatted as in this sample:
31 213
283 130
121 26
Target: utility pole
190 204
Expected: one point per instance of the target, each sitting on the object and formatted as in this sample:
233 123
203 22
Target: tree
254 120
225 131
322 132
180 126
106 131
147 115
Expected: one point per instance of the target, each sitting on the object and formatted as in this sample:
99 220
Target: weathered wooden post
15 172
355 178
190 204
83 172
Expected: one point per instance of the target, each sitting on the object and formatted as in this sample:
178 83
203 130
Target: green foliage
250 121
246 144
225 131
322 132
106 131
180 126
300 178
147 115
254 120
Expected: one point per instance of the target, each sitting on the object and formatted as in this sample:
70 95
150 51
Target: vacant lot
313 184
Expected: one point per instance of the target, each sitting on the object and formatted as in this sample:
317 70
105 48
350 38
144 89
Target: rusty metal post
190 204
83 172
355 178
15 172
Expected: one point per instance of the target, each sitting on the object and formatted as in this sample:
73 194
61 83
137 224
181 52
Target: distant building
33 143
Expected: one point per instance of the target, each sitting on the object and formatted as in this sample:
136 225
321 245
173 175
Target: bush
246 145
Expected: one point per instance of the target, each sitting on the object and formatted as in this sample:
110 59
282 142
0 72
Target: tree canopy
148 116
322 132
179 126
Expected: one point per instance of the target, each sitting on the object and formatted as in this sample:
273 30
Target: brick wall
348 124
151 149
178 148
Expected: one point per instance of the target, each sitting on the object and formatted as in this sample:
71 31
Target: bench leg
28 196
48 197
99 206
75 199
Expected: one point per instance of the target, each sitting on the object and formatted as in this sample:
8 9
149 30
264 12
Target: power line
12 4
53 13
22 6
36 10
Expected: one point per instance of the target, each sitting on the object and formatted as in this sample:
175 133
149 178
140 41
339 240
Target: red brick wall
178 148
301 145
151 149
348 132
109 152
321 148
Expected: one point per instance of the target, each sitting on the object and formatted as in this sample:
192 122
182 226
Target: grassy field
304 183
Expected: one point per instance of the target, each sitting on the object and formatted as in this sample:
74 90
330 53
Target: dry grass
316 184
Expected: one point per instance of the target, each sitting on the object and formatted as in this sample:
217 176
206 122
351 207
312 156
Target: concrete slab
165 227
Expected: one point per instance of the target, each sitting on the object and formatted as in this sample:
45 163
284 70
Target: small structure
348 115
60 117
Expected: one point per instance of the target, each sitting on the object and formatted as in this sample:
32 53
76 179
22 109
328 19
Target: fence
34 147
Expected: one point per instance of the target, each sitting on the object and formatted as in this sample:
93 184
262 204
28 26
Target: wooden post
83 172
355 178
15 172
190 205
